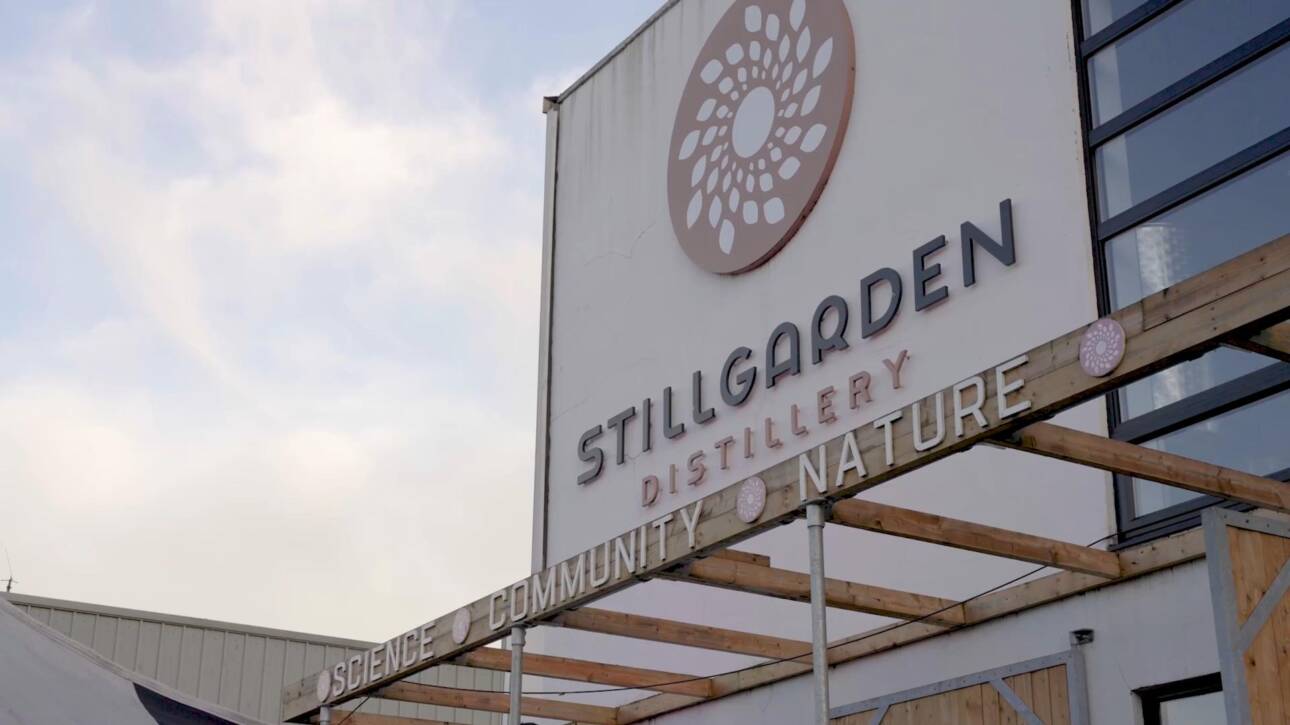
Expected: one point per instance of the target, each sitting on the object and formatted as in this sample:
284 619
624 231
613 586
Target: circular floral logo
751 502
759 128
1102 348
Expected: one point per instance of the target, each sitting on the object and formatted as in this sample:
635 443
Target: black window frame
1151 698
1250 388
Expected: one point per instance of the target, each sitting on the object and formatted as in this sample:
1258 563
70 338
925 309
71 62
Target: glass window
1204 709
1172 46
1186 379
1100 13
1223 223
1197 701
1225 118
1251 438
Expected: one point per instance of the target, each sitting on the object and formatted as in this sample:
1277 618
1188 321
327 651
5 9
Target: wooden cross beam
920 526
498 702
746 557
796 586
1138 561
1273 342
366 718
563 668
1076 446
1245 294
671 632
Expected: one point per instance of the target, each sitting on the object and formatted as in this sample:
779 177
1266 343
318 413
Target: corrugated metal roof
240 667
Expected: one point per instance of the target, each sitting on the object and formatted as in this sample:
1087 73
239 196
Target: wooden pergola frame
1243 303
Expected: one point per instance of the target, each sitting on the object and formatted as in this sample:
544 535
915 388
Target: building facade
1139 144
820 279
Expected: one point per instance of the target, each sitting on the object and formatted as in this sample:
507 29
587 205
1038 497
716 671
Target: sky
269 281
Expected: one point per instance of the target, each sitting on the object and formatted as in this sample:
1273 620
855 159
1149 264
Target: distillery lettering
783 351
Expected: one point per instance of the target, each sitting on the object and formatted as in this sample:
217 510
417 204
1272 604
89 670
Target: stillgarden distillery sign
759 127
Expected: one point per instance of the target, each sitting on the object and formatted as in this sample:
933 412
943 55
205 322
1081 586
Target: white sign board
717 216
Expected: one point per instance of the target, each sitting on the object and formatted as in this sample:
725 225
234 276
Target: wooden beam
682 633
921 526
746 557
1176 324
498 702
365 718
796 586
1273 342
563 668
1140 561
1076 446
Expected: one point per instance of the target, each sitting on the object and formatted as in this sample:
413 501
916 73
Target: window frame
1151 698
1250 388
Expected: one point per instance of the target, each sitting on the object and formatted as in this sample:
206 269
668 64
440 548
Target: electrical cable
350 714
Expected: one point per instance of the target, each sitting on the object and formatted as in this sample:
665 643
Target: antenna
8 583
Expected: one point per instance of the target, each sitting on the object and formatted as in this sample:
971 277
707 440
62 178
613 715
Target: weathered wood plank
746 557
921 526
796 586
498 702
1076 446
564 668
682 633
363 718
1251 292
1273 342
1059 696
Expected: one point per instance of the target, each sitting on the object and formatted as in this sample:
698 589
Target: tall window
1187 115
1198 701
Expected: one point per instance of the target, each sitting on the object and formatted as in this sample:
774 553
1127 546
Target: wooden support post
498 702
563 668
1076 446
672 632
796 586
958 534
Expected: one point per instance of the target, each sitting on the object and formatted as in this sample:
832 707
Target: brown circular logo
759 128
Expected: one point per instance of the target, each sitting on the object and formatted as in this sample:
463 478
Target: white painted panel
274 679
253 676
105 636
127 643
230 679
149 649
190 660
83 628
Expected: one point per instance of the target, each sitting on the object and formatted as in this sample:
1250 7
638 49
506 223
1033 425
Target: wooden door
1037 692
1249 569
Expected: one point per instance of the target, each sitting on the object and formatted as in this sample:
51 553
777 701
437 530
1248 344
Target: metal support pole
517 673
815 515
324 715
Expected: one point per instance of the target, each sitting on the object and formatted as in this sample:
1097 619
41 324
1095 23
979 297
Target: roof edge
180 620
668 5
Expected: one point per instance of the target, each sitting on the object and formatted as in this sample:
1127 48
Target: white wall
957 107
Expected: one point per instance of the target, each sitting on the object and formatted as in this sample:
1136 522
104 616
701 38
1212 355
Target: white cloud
303 468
